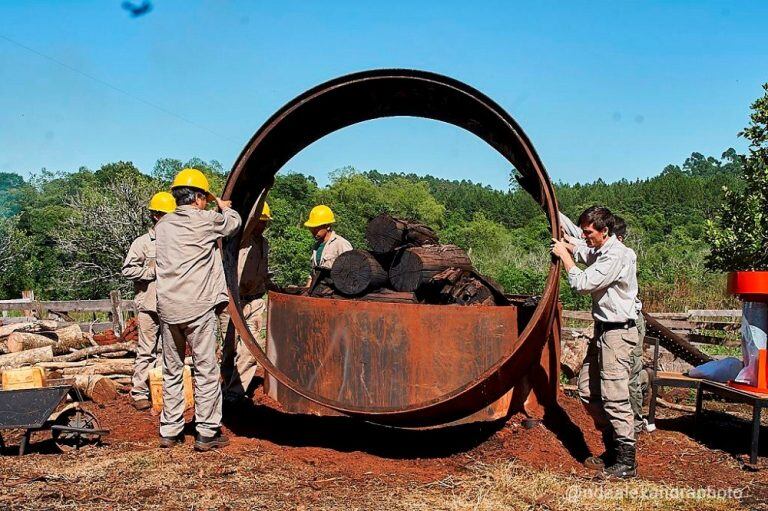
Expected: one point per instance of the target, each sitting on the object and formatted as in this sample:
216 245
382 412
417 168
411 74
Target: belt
605 326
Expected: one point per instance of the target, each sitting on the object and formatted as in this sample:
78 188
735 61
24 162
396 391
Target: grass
177 479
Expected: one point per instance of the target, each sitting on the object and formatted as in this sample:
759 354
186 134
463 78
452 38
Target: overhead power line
116 88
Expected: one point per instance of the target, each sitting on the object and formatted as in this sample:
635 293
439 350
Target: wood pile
65 351
407 264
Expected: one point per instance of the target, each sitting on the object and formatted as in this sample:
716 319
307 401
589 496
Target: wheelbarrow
72 427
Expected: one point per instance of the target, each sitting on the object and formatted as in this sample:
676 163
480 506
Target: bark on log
66 339
102 367
415 266
357 271
97 350
84 363
20 341
456 286
385 234
29 326
387 295
97 388
27 357
3 348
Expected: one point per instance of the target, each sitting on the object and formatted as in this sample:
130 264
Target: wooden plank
677 325
721 313
117 311
578 315
30 296
65 305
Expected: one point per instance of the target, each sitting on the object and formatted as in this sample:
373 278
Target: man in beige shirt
238 365
190 285
610 278
139 266
329 245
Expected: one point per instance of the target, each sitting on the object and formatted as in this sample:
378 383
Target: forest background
65 234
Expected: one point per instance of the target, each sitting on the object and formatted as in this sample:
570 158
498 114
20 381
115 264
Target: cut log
27 357
28 326
457 286
357 271
97 388
415 266
84 363
20 341
385 234
97 350
66 339
102 367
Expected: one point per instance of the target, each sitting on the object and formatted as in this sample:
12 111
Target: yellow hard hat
194 179
163 202
266 213
320 215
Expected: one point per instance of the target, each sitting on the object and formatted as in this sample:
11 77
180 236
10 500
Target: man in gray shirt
190 285
610 278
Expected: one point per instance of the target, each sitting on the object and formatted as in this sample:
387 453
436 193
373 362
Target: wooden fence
696 325
117 309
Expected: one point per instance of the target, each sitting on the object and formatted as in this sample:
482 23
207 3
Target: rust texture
529 363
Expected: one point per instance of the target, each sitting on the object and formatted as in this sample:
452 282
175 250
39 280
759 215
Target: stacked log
65 351
406 264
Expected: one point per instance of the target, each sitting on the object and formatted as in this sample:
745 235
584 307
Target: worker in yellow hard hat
328 244
238 365
139 266
191 289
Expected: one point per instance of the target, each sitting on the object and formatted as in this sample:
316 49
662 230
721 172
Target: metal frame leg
24 442
652 404
697 415
755 433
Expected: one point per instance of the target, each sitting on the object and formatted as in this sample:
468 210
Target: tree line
65 235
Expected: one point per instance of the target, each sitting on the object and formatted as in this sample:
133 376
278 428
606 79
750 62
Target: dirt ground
282 461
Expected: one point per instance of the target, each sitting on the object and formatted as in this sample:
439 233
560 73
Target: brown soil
339 452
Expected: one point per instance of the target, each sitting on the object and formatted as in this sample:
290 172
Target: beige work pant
604 382
638 379
148 350
200 335
238 365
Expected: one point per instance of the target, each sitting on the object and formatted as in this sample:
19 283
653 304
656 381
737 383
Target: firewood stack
98 369
406 263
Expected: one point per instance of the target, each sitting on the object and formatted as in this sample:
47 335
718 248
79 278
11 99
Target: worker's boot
170 441
206 443
142 404
625 466
607 458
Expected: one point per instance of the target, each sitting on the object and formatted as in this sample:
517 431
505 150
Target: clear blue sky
604 89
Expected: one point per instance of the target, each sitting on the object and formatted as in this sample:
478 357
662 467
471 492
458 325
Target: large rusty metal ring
372 95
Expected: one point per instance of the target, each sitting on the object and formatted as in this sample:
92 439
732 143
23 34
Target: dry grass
135 477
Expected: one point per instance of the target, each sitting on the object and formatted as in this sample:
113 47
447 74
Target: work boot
206 443
625 466
142 404
170 441
605 459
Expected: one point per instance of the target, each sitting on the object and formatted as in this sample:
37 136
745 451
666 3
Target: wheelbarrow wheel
75 418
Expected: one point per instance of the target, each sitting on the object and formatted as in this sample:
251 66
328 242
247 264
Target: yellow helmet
320 215
194 179
162 202
266 213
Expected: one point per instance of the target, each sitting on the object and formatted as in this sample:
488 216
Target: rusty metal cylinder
372 95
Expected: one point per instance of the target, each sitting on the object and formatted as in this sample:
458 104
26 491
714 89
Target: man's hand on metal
223 204
560 248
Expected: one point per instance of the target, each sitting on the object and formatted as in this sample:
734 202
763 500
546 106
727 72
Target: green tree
739 233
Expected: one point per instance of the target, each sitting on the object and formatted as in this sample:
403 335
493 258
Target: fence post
27 295
117 312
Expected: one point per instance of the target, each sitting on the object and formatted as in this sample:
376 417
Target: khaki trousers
238 365
638 379
148 350
200 335
604 382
